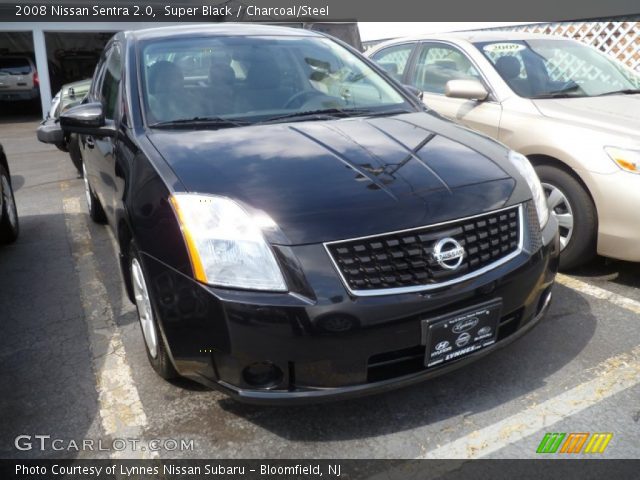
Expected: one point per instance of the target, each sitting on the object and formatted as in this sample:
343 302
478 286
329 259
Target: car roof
218 29
473 36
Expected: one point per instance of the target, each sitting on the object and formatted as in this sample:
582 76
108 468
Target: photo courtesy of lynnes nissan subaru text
294 226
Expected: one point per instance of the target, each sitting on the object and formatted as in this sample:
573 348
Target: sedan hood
615 113
330 180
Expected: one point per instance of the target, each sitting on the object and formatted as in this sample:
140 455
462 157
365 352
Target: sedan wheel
9 203
157 351
560 208
9 227
145 312
571 205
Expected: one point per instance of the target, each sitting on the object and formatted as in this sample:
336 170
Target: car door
435 64
90 160
103 148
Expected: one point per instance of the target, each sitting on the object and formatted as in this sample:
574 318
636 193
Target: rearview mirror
87 119
468 88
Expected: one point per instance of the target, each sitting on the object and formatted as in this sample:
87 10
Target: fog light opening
263 375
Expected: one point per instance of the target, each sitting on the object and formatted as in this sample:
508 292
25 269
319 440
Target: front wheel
9 225
571 205
153 340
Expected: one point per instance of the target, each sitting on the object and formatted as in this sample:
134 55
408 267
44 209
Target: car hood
329 180
615 113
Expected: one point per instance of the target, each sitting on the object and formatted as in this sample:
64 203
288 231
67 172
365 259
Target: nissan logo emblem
448 253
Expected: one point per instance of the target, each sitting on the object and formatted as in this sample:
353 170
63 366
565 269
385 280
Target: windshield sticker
503 47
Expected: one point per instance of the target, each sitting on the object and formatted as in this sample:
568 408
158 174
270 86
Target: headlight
628 160
225 243
526 170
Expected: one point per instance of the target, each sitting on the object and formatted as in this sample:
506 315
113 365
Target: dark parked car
9 224
294 226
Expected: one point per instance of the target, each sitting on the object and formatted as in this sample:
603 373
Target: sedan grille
405 261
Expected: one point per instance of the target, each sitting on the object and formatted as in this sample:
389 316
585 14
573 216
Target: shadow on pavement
48 384
606 269
20 112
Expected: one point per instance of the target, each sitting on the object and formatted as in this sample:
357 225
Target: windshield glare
257 78
539 68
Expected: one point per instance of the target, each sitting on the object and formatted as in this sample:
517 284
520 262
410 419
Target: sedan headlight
226 244
627 160
526 170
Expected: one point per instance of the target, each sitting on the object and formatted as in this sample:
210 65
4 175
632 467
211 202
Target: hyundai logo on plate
448 253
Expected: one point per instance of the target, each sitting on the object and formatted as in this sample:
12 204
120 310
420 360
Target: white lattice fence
621 39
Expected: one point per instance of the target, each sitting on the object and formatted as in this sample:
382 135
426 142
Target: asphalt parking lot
73 365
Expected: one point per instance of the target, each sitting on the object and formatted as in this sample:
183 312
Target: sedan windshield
548 68
232 80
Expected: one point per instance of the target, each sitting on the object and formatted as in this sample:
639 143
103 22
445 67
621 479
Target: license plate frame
456 335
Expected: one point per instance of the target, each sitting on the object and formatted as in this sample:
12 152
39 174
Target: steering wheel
306 95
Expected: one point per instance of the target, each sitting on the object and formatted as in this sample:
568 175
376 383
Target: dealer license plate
456 335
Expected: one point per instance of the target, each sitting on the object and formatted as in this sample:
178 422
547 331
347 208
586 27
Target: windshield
15 66
258 78
547 68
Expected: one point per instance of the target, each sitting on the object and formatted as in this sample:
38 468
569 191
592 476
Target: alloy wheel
7 200
145 312
560 208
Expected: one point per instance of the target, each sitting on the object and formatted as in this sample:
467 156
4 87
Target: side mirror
414 91
87 119
50 131
469 89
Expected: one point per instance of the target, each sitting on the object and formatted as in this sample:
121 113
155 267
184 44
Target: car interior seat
222 82
509 68
264 87
168 99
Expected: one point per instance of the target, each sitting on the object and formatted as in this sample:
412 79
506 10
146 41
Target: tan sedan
572 110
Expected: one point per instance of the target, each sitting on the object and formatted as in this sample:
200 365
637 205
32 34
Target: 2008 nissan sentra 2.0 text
294 226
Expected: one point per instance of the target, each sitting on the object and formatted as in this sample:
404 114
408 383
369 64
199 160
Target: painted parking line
614 375
600 293
121 412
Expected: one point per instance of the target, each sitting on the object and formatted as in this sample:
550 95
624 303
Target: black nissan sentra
294 226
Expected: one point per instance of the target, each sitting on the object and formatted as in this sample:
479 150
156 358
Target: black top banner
310 10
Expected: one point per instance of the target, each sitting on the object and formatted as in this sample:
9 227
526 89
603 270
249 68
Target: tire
96 212
73 147
569 200
153 339
9 222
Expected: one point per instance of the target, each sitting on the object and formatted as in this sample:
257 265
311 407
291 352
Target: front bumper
327 344
616 196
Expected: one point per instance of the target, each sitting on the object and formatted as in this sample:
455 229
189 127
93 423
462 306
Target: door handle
90 143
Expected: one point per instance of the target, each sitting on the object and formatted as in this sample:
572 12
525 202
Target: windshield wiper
625 91
217 122
331 113
562 93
